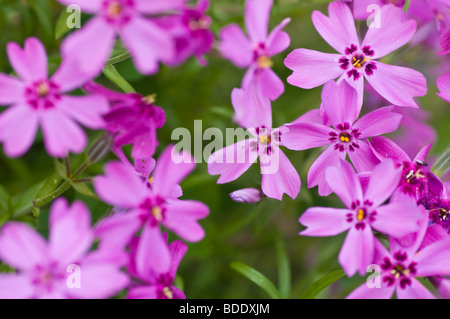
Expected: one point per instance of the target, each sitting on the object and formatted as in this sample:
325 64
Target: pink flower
414 181
357 61
246 195
403 264
44 268
147 42
156 285
38 100
191 31
133 119
278 174
155 202
364 211
443 84
346 137
254 52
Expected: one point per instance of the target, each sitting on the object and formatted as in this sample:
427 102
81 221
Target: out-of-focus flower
363 212
357 61
443 84
156 285
155 202
147 42
246 195
254 52
278 174
191 32
38 100
44 268
133 119
339 102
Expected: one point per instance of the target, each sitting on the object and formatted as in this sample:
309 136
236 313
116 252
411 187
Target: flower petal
251 109
357 252
384 148
344 182
383 182
278 40
443 84
31 62
283 179
415 291
397 84
366 292
156 6
434 259
378 122
235 46
232 161
87 110
257 13
11 89
303 136
153 252
363 157
339 28
324 221
14 286
312 68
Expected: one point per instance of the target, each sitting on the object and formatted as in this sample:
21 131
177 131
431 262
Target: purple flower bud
246 195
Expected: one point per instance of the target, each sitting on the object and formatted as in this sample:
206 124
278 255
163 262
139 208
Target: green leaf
407 3
82 188
442 164
50 184
61 25
111 73
284 269
22 204
258 278
312 291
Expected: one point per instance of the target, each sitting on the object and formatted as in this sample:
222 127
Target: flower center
118 12
157 213
168 292
356 60
42 94
412 176
359 60
114 10
264 139
202 23
149 99
344 137
361 214
264 62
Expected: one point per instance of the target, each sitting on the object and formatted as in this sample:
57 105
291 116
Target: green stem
119 58
53 195
111 73
442 164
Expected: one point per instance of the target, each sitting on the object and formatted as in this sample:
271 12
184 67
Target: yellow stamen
157 213
357 63
168 292
42 89
149 99
114 10
360 215
264 62
411 174
151 180
344 137
440 16
264 139
200 24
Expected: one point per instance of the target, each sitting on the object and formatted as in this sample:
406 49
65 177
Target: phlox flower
364 212
154 202
345 137
41 101
278 174
246 195
358 60
414 181
43 267
191 32
133 119
254 52
361 7
156 285
403 264
146 41
443 84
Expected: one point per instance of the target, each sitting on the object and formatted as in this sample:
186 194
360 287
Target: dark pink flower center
413 178
44 278
156 210
355 61
42 94
361 214
265 137
345 138
398 270
261 56
164 286
118 12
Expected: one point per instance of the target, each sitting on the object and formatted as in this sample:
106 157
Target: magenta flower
444 41
413 183
360 7
340 105
278 174
133 119
191 31
254 52
443 84
155 202
436 199
43 268
156 285
364 211
147 42
402 265
357 61
38 100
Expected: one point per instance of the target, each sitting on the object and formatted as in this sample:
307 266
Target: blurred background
264 235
